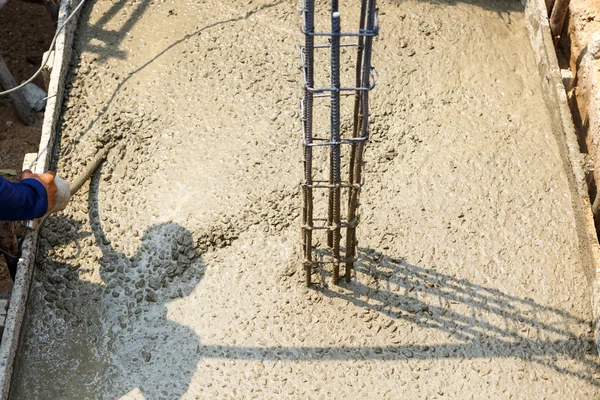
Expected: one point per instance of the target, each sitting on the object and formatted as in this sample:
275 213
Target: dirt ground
26 31
582 23
176 274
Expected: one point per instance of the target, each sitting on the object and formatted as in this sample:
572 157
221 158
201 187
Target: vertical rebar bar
351 230
334 8
360 130
364 133
335 138
307 220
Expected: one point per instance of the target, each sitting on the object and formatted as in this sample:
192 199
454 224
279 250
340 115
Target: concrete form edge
22 284
555 96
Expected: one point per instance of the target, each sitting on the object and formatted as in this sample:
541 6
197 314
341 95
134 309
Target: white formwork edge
25 268
536 19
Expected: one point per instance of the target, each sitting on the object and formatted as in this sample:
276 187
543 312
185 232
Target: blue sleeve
21 201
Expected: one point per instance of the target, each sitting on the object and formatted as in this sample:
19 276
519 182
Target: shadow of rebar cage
335 189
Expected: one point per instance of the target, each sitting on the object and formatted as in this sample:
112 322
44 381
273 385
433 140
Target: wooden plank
557 18
549 6
25 112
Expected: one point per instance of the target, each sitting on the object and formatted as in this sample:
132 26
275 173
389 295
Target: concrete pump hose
89 170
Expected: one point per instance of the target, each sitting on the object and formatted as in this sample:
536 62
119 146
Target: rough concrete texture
176 274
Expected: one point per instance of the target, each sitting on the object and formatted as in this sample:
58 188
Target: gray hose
89 169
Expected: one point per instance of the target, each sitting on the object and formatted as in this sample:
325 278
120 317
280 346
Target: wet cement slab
176 274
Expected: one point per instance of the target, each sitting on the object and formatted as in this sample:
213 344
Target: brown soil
582 22
26 31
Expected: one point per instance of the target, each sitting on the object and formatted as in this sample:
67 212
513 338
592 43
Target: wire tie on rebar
332 260
353 223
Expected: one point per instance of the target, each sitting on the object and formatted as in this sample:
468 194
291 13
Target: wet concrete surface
176 274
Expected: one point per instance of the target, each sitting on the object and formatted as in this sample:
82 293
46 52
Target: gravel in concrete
176 273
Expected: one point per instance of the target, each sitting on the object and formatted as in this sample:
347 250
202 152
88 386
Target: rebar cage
336 189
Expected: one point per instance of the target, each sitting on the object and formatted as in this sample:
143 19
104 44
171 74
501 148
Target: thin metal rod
328 46
364 133
351 233
335 149
308 65
343 186
334 9
348 141
327 95
367 33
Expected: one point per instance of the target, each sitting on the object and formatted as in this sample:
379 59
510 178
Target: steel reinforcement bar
365 82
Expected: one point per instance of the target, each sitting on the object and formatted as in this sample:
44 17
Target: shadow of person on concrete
120 340
146 351
112 330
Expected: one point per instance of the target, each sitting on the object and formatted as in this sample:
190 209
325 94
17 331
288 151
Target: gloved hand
46 179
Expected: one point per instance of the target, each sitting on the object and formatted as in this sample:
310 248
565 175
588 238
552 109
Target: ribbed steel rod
351 231
307 215
334 8
363 119
335 137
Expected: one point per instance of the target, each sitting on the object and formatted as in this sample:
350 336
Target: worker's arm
31 198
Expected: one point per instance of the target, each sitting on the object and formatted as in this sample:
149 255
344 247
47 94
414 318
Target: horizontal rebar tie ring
347 141
315 96
330 89
363 33
328 46
343 186
342 89
349 224
321 262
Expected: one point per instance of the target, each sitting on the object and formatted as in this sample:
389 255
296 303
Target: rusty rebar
308 67
335 192
330 219
333 223
362 117
351 232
